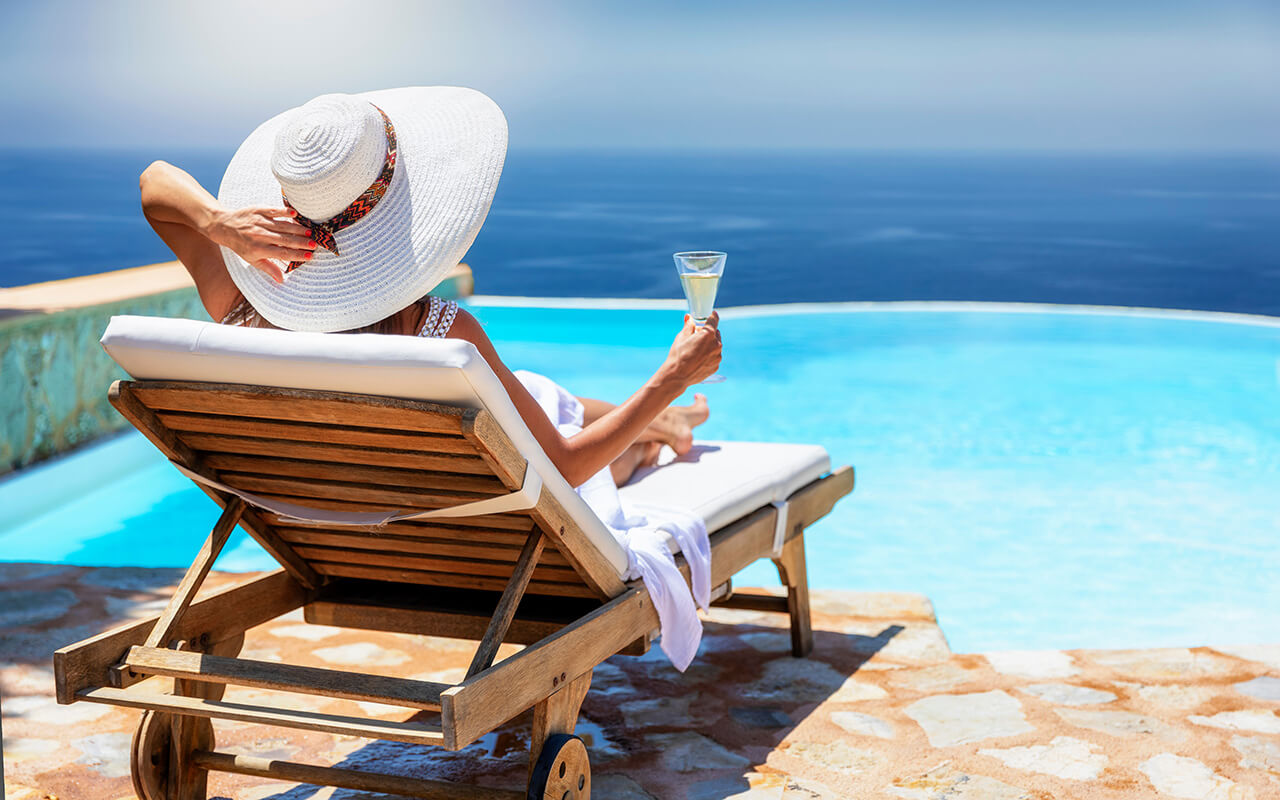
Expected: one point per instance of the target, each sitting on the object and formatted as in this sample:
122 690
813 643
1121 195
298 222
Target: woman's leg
640 454
673 427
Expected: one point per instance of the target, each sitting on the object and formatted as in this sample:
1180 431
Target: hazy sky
1079 74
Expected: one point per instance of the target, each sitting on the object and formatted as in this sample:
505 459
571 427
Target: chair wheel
563 771
149 755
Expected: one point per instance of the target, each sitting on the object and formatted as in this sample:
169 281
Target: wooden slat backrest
342 451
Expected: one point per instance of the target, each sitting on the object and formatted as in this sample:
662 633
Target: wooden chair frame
555 592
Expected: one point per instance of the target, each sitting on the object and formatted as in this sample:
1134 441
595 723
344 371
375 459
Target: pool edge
898 306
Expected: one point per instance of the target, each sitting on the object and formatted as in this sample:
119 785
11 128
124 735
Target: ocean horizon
1166 230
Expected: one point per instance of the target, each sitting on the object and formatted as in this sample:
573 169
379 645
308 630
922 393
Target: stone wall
55 375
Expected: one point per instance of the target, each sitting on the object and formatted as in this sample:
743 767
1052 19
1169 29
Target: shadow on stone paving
44 607
651 730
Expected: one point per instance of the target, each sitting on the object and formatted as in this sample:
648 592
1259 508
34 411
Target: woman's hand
262 236
695 354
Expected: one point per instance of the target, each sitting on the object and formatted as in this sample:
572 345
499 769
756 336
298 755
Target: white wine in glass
700 272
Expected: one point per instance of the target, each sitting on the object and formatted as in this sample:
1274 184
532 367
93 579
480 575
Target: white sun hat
320 158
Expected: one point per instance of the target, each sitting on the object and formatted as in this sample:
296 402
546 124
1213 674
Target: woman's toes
698 411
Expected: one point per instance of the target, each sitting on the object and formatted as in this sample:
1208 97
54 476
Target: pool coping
873 306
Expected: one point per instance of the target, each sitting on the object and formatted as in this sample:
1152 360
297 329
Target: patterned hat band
323 232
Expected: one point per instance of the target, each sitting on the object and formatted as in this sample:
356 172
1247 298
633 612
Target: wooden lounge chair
356 423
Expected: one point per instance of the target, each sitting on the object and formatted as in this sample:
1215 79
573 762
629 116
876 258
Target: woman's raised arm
193 224
694 355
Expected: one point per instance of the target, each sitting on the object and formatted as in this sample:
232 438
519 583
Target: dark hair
245 315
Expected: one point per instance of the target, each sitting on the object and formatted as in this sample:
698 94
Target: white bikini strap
524 498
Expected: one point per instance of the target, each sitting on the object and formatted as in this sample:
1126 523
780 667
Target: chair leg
557 714
189 734
791 570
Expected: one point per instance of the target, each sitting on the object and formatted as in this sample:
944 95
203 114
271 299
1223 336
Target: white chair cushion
722 481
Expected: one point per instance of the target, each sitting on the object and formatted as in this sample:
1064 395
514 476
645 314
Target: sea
1169 231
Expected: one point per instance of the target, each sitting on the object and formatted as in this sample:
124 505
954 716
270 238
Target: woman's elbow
573 478
568 465
147 182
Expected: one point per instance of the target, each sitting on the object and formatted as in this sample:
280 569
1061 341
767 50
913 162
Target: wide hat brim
451 145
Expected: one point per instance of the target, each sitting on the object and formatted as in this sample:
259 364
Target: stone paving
882 709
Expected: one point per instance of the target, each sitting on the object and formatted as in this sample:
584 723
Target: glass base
717 378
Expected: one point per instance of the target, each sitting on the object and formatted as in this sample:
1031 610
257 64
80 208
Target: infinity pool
1050 477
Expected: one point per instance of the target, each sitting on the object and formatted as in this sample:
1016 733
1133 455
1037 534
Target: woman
298 215
343 214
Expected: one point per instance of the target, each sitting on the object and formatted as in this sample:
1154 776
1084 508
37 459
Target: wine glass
700 272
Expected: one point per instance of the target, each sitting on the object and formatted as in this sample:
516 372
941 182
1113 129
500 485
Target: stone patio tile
940 678
610 679
915 643
133 579
1066 694
687 751
37 645
11 573
951 719
24 679
863 724
20 607
106 753
1265 654
362 654
44 709
262 654
753 786
1064 757
600 747
22 748
670 712
837 756
1258 753
723 643
1173 695
1179 776
1120 723
1032 663
1177 663
875 605
945 782
278 747
130 608
797 789
1263 687
618 787
796 680
309 633
760 716
855 690
741 616
1258 720
768 641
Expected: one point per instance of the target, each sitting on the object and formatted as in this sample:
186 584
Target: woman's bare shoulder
468 328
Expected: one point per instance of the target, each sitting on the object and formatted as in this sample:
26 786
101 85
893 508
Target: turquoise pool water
1049 478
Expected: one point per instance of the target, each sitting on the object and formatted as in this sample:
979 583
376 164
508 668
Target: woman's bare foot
674 426
640 454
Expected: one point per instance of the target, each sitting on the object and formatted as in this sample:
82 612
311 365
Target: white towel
642 535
